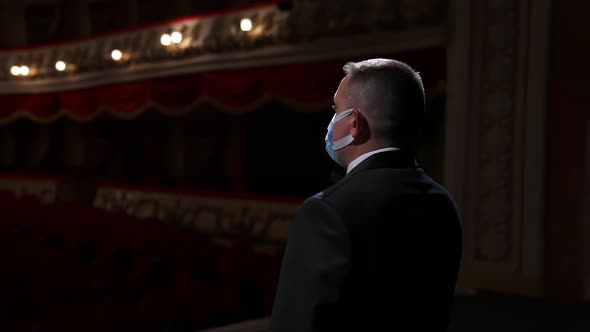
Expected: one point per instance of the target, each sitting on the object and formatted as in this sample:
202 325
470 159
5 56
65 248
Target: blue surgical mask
332 147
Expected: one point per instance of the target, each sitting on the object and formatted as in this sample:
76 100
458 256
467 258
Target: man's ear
360 130
358 125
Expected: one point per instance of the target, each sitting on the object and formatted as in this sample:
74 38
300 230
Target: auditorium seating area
67 267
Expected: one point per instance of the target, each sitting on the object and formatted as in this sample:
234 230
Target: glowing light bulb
166 39
176 37
15 70
116 55
24 70
246 24
60 65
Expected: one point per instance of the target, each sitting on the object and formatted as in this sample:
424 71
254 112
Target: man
379 250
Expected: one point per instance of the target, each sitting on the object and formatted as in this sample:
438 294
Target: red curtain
306 84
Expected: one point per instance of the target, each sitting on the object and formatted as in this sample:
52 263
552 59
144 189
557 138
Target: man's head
387 101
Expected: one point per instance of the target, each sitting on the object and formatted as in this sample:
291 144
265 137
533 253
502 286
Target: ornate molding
44 189
493 116
495 139
217 42
260 220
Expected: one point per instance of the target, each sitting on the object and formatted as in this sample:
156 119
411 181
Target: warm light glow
24 70
176 37
15 70
116 55
166 40
60 65
246 24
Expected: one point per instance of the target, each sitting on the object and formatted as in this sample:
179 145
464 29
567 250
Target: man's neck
366 155
366 148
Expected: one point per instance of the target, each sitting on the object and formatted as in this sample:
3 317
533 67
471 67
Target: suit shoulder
320 200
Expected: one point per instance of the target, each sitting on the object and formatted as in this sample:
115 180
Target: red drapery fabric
304 84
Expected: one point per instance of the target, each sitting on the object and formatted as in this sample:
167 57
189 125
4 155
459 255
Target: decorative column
495 140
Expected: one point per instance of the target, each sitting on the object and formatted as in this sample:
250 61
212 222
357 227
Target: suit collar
389 159
361 158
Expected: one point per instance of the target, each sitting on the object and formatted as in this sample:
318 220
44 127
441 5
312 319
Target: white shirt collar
362 157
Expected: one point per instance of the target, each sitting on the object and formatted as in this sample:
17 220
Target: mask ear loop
346 140
342 115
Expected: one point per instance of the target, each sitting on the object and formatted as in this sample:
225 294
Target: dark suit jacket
378 251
